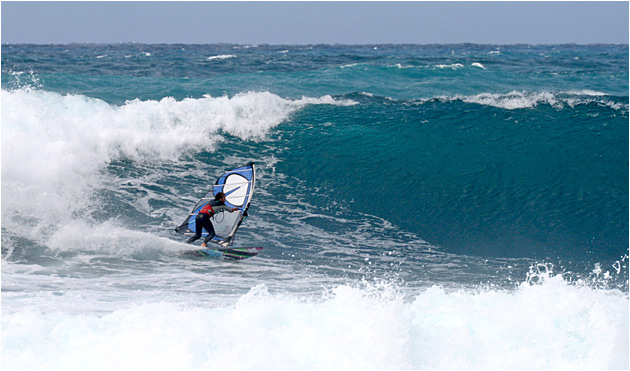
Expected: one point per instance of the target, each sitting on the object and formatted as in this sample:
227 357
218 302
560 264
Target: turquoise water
404 192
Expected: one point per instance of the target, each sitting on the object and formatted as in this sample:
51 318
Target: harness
207 209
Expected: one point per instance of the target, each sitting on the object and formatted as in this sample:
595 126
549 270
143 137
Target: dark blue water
385 169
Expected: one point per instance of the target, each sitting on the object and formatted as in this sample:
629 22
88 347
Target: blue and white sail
238 185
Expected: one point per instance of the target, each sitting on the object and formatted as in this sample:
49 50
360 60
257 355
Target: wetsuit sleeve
220 208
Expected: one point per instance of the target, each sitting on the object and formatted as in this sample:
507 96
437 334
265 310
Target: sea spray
548 325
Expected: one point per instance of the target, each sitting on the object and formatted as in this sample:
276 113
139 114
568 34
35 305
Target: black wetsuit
202 220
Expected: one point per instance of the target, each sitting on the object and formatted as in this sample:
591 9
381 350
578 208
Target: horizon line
314 44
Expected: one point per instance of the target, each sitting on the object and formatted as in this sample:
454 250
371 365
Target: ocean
419 206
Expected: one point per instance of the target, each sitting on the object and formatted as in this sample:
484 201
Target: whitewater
420 207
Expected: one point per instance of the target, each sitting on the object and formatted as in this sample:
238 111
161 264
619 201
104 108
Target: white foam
91 132
221 56
401 66
552 325
108 238
512 100
586 92
477 64
524 99
453 66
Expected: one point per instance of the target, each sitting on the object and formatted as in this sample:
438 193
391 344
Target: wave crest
165 129
524 99
55 146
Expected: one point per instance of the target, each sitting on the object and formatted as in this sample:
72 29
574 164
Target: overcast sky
315 22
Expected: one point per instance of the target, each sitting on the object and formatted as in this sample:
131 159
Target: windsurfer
202 220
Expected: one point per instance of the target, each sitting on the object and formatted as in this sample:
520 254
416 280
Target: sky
328 22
